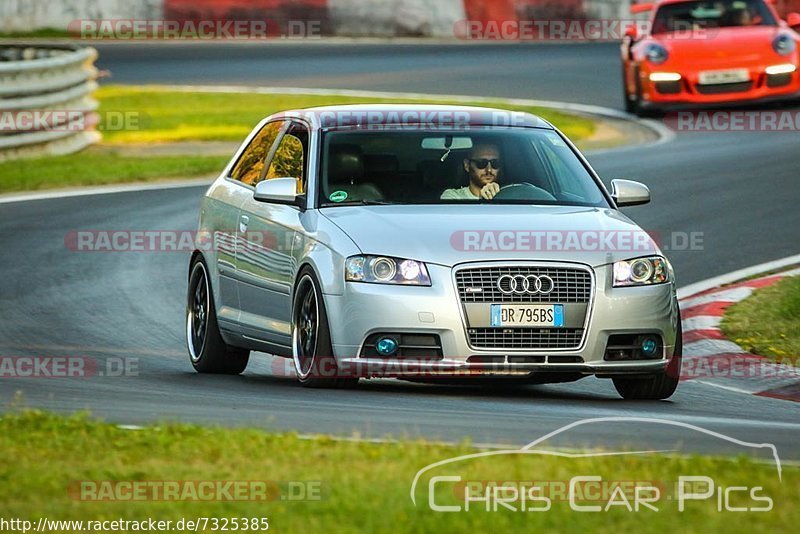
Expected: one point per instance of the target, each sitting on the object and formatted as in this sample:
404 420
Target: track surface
739 190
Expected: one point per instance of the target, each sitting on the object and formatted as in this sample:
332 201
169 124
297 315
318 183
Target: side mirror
278 191
632 32
793 20
628 193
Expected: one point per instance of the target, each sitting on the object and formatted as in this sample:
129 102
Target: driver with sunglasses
483 168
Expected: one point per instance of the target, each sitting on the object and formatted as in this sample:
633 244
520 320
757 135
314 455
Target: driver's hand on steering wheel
489 191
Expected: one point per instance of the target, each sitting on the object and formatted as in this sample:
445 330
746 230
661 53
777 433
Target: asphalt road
738 191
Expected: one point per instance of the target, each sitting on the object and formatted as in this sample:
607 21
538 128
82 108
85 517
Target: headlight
386 270
641 272
656 54
784 44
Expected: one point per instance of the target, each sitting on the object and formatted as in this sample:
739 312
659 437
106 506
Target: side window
250 166
290 158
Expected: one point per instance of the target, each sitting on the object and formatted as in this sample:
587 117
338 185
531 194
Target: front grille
722 88
479 284
526 338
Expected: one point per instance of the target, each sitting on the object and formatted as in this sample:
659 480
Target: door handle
243 223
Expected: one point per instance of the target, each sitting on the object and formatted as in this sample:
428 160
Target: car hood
452 234
726 47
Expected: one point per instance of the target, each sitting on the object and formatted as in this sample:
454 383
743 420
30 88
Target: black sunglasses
483 163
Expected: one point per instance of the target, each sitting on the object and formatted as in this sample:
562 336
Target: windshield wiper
368 203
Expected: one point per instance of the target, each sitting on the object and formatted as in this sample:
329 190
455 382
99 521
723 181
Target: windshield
683 16
498 165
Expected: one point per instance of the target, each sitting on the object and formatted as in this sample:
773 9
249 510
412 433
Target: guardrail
46 103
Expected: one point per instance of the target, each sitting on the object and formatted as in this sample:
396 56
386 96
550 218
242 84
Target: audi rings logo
521 284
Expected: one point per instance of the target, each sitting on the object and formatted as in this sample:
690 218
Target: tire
312 350
658 387
635 105
208 352
631 105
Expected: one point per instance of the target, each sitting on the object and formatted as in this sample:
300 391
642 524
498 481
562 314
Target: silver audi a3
428 243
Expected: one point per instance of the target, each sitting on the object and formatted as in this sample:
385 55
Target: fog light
386 346
649 346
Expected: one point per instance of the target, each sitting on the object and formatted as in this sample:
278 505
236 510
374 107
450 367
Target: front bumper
688 91
365 309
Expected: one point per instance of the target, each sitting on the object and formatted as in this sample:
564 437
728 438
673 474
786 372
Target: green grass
169 116
768 322
363 487
96 166
42 33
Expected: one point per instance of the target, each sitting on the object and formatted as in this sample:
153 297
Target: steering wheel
524 191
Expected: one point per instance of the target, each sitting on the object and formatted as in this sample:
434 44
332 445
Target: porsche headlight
641 272
386 270
784 44
656 54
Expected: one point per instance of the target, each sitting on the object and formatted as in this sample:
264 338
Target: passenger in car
483 167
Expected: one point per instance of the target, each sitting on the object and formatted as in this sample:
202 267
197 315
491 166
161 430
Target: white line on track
736 276
102 190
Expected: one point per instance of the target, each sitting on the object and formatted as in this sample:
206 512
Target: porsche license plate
718 77
528 315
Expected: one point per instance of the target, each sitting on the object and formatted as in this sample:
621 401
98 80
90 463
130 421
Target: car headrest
346 165
443 175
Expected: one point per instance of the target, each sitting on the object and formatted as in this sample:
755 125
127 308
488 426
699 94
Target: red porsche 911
709 52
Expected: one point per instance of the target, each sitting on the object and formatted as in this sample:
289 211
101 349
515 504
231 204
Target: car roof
445 116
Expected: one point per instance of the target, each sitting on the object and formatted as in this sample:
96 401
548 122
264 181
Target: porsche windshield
688 16
499 165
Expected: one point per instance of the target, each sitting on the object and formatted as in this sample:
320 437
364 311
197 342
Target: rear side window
250 166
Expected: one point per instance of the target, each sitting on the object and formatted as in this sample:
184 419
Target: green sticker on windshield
338 196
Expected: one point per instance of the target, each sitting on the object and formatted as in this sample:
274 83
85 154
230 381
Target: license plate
716 77
528 315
